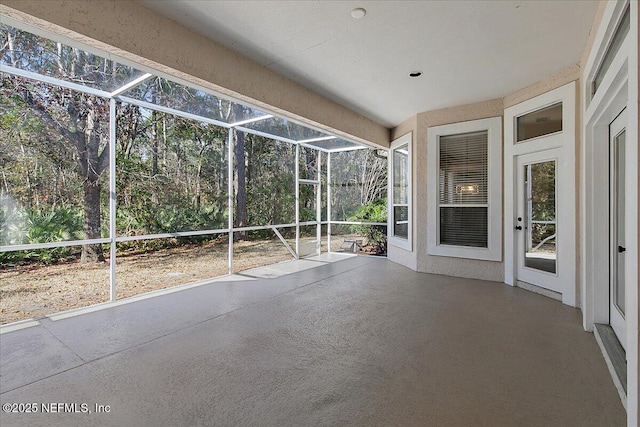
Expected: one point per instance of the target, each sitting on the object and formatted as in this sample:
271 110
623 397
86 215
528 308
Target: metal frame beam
230 142
252 120
113 239
172 111
131 85
54 81
112 199
297 199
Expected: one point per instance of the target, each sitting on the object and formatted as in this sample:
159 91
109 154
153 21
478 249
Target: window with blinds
463 189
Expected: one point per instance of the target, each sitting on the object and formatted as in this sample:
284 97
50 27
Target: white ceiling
468 51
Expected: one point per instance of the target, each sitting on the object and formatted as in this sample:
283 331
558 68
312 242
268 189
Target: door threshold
614 356
538 290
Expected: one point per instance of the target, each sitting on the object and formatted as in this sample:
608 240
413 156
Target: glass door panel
540 216
401 191
619 244
617 137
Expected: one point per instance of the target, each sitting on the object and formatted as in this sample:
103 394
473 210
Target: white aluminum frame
150 73
55 81
119 95
252 120
143 78
112 199
297 198
230 210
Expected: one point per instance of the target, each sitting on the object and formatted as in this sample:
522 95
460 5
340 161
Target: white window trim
493 252
399 242
612 16
618 89
564 141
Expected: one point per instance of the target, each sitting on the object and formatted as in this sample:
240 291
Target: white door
536 225
617 136
540 194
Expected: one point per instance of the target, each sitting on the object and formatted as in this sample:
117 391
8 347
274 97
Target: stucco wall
486 270
131 31
554 81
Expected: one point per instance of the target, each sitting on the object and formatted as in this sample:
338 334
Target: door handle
518 227
621 249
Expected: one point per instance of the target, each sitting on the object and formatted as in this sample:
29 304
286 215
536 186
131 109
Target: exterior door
536 226
540 221
617 141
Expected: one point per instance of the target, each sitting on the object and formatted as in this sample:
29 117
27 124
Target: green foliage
543 200
167 220
375 235
39 226
54 225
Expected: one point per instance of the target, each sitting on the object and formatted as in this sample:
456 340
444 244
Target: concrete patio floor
352 341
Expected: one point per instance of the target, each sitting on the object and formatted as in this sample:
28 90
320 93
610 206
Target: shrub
28 226
375 235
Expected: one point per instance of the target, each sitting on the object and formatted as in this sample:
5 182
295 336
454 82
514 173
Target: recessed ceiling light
415 74
358 13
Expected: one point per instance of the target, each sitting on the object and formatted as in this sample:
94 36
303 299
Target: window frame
493 251
606 34
392 239
516 127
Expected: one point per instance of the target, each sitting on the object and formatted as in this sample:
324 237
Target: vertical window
614 46
464 190
400 192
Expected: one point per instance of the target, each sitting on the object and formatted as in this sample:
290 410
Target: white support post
319 203
297 160
230 140
328 202
112 200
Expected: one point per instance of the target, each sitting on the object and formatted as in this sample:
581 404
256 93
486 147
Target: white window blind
463 189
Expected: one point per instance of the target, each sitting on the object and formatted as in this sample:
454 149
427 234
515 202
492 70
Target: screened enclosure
118 181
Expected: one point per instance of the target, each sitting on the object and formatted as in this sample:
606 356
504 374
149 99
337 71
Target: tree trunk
198 198
91 226
154 148
240 186
92 163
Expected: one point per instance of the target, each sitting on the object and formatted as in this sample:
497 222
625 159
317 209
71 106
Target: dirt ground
34 291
